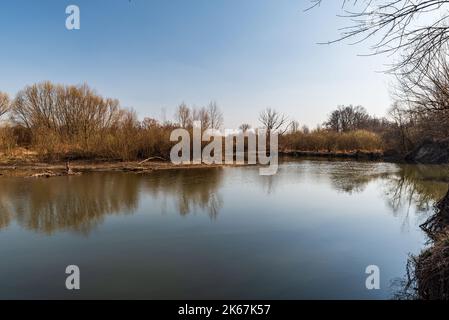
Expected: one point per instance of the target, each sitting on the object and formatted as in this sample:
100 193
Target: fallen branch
152 158
46 174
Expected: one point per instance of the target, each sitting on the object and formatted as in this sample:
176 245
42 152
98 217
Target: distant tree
294 126
402 123
183 115
305 129
245 127
148 123
272 120
202 115
347 118
215 115
67 110
4 103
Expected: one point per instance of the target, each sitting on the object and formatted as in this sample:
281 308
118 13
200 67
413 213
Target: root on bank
428 272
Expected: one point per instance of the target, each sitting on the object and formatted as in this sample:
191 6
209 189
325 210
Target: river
308 232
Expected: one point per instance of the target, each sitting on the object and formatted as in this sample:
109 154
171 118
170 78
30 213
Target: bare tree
402 123
348 118
183 115
202 115
294 126
418 29
426 90
4 103
272 120
245 127
70 111
305 129
424 94
215 115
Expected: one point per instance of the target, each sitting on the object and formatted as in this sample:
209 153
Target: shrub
8 140
331 141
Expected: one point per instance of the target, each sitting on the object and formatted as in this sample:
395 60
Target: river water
309 232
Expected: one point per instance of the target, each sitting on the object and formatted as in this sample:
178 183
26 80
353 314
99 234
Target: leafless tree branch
416 29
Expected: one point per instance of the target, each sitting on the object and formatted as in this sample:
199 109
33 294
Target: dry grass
8 141
330 141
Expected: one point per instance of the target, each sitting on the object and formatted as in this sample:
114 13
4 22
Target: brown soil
47 169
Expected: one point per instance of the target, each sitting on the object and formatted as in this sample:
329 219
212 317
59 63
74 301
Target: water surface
306 233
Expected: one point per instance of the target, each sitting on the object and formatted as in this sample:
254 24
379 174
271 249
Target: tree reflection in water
66 203
80 203
404 186
418 185
194 189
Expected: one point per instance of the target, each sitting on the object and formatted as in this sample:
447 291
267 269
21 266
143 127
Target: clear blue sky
153 54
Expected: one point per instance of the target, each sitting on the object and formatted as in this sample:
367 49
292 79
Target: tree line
74 121
60 121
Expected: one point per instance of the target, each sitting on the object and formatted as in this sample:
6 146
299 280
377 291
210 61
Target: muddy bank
33 167
43 169
29 166
427 152
428 272
360 155
430 152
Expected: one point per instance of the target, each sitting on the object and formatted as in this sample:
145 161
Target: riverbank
26 164
427 152
358 155
45 169
428 272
